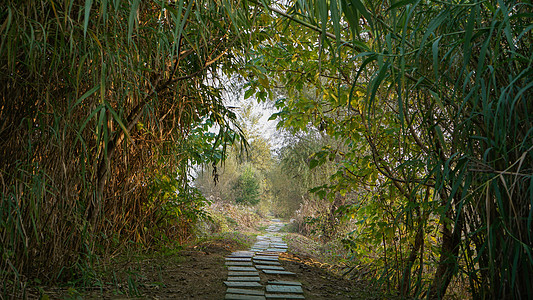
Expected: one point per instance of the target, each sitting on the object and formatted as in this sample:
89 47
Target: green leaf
133 18
435 51
84 96
249 93
313 163
88 4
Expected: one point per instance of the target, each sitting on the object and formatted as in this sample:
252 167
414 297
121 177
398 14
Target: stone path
258 274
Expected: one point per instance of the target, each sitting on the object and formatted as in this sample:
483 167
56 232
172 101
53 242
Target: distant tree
247 188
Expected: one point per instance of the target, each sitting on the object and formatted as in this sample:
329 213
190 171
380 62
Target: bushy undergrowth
228 217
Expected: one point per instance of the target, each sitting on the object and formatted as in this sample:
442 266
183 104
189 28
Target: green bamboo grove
104 107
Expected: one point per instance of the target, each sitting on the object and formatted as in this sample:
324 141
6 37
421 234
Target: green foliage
241 177
293 177
433 102
177 208
99 99
247 188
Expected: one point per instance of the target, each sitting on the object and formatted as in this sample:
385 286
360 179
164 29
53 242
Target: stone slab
241 269
284 282
277 272
267 253
239 258
242 253
239 263
269 267
273 288
243 274
267 262
242 284
243 297
266 257
242 278
276 250
245 291
284 296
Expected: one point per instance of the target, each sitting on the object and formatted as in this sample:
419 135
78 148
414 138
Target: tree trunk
448 258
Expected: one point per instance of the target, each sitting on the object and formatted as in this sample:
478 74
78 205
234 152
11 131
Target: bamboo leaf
435 51
88 4
132 20
85 96
118 120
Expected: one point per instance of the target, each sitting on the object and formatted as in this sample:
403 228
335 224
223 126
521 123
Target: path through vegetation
245 267
221 267
405 140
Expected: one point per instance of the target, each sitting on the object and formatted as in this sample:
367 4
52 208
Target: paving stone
242 269
269 267
265 257
267 262
277 272
243 273
267 253
284 296
239 258
239 263
242 253
283 282
273 288
276 250
242 284
245 291
279 247
242 278
243 297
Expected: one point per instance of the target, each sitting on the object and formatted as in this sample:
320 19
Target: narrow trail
277 266
258 274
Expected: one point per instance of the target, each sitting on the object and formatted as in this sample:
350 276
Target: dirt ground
198 272
320 283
